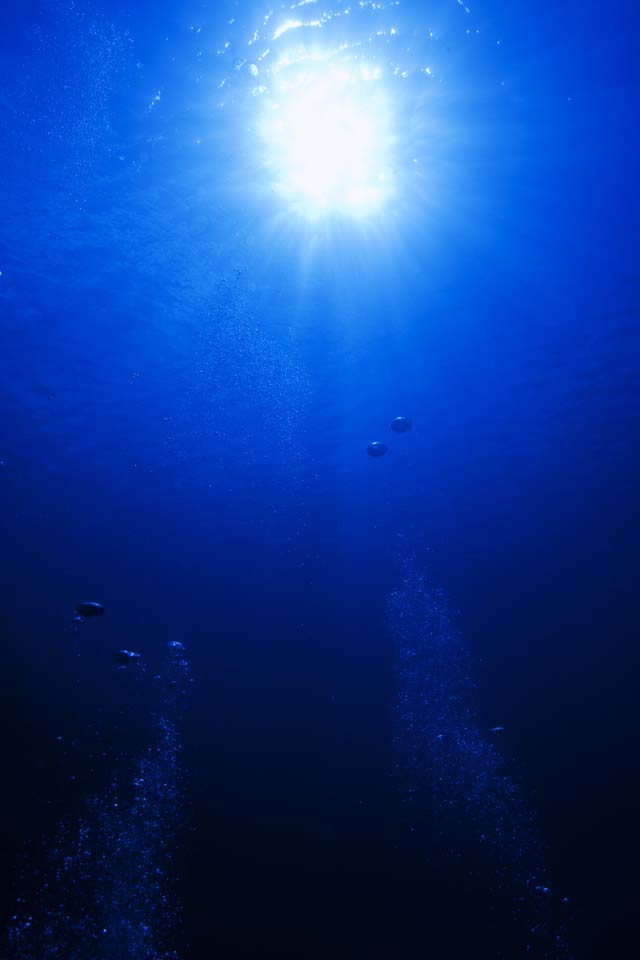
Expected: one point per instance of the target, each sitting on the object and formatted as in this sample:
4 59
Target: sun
327 135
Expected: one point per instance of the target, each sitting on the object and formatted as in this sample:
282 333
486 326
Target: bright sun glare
328 136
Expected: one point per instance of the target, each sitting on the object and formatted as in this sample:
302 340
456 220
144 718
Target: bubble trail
108 887
454 778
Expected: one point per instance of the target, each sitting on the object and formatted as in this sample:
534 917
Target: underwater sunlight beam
327 134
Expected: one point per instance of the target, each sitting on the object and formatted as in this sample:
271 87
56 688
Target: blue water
406 719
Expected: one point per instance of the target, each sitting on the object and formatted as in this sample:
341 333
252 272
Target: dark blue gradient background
188 383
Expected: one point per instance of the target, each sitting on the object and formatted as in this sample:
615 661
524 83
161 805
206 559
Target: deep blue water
191 372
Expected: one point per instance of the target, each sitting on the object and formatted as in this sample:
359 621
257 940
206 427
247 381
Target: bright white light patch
328 136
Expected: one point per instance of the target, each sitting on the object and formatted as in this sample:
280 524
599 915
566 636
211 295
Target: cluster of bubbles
243 365
399 425
108 887
453 774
